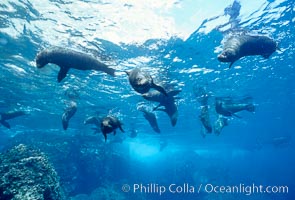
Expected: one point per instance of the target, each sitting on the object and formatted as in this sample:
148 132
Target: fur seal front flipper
121 129
62 73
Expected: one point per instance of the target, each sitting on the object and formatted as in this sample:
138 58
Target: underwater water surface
177 43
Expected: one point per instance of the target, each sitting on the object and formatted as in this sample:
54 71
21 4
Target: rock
26 174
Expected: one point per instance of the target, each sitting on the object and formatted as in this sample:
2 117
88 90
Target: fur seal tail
109 70
250 108
99 66
5 123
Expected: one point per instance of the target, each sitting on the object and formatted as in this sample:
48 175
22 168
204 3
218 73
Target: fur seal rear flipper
9 115
238 46
67 58
168 102
68 114
151 118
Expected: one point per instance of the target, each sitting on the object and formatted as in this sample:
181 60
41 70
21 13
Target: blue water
244 153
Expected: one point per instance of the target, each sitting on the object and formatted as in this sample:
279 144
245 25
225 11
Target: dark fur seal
142 82
168 102
151 118
205 118
68 114
109 124
67 58
219 124
227 106
9 115
239 46
202 98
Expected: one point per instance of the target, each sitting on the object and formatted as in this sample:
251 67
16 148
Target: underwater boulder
25 174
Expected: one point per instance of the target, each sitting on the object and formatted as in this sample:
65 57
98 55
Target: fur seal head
228 55
42 59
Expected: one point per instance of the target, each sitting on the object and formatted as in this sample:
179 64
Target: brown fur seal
109 124
227 106
238 46
68 114
142 82
67 58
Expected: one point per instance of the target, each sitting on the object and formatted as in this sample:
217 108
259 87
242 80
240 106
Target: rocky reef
27 174
83 162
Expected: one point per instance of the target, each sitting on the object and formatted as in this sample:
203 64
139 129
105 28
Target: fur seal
142 82
205 118
67 58
109 124
219 124
227 106
151 118
282 141
92 120
9 115
95 121
168 102
238 46
68 114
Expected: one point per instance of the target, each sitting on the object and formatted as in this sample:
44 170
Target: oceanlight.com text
245 189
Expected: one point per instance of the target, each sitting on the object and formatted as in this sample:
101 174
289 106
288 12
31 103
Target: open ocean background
178 43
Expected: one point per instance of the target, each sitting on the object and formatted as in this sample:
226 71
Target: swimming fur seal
67 58
109 124
151 118
92 120
142 82
9 115
238 46
68 114
219 124
205 118
168 102
227 106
